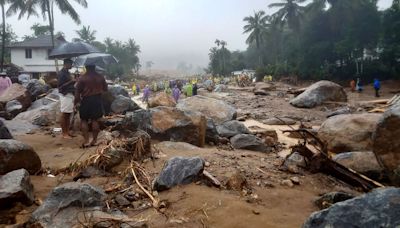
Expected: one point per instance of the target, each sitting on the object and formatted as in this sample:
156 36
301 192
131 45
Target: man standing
88 93
5 82
377 87
67 89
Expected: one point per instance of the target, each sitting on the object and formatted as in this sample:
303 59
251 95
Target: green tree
290 13
257 26
86 34
39 30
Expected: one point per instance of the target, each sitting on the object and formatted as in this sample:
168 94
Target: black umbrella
73 49
98 59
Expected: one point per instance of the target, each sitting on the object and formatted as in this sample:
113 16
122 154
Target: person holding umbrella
67 89
89 89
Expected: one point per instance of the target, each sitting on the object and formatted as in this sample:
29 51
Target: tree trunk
3 38
51 24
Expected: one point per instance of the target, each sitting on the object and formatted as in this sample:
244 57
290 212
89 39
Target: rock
89 172
24 79
287 183
35 88
19 127
217 110
211 132
331 198
236 182
364 162
341 111
179 171
177 146
118 90
248 142
295 180
16 92
61 207
295 161
220 88
109 96
42 116
353 132
280 121
50 98
14 107
318 93
262 88
122 201
211 179
16 186
17 155
162 99
386 143
122 104
379 208
4 132
232 128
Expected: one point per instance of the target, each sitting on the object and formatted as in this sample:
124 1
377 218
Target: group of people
173 89
81 94
357 86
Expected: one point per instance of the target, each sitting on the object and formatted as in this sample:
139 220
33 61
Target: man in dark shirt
88 93
66 88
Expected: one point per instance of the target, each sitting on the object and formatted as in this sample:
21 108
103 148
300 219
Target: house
32 55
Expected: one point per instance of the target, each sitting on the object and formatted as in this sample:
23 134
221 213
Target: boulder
248 142
42 116
19 127
217 110
36 88
62 206
379 208
162 99
17 155
232 128
280 121
118 90
182 146
318 93
353 132
179 171
364 162
50 98
262 88
220 88
331 198
386 143
211 132
295 161
14 107
109 96
16 92
24 79
122 104
16 186
4 132
340 111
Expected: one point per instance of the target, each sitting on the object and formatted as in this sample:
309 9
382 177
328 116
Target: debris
295 180
287 183
209 177
331 198
236 182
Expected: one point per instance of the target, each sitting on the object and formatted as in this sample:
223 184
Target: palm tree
132 46
86 34
257 26
29 8
289 13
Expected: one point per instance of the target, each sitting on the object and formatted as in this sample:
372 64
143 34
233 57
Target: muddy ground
266 203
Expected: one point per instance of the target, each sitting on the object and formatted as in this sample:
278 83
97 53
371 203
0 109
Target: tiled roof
39 42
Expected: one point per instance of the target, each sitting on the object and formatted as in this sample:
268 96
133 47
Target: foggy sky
168 31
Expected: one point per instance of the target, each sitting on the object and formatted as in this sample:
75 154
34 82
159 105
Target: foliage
85 34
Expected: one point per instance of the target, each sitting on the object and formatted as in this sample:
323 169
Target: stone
42 121
17 155
36 88
181 146
61 207
4 132
14 107
379 208
294 161
318 93
211 179
122 104
287 183
386 143
90 171
220 88
109 96
295 180
232 128
352 132
236 182
217 110
280 121
122 201
331 198
262 88
42 116
364 162
16 92
162 99
19 127
211 132
117 90
248 142
341 111
16 186
179 171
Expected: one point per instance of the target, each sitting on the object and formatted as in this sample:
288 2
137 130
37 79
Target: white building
32 55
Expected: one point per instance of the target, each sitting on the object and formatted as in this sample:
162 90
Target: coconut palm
289 13
46 7
86 34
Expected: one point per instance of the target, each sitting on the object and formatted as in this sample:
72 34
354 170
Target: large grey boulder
217 110
179 171
4 132
232 128
379 208
42 116
162 99
14 107
122 104
318 93
62 206
386 143
118 90
248 142
17 155
109 96
36 88
16 186
352 132
364 162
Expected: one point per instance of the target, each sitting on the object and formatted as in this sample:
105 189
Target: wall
38 63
